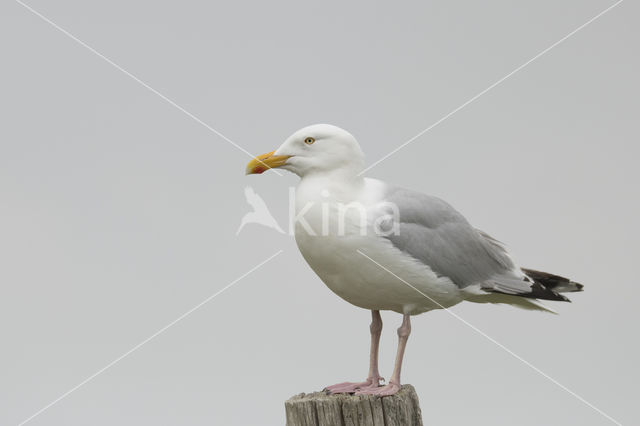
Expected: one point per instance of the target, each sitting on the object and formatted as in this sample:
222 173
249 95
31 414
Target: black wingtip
539 291
553 282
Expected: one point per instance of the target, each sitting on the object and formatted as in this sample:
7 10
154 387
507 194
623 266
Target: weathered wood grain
320 409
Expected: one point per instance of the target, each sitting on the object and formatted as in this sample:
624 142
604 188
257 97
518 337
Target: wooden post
320 409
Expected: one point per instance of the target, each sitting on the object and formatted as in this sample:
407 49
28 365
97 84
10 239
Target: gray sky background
118 212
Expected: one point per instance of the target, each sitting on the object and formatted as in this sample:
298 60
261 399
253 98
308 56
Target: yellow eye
309 140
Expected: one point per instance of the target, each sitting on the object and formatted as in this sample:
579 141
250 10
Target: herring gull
383 247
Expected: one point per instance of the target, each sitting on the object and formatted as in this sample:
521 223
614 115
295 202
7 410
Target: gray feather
433 232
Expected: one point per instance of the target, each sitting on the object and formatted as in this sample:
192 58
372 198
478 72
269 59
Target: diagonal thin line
138 80
491 87
145 341
509 351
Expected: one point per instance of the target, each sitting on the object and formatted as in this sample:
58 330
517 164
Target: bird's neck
336 185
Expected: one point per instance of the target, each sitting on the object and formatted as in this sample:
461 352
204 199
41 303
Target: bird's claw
389 389
351 387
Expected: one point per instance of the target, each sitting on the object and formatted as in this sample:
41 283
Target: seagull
383 247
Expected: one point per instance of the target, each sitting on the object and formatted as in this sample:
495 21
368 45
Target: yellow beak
264 162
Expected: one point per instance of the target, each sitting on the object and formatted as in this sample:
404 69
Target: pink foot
387 390
351 387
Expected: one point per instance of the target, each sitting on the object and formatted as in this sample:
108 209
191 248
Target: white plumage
382 247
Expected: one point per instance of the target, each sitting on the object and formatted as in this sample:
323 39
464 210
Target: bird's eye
309 140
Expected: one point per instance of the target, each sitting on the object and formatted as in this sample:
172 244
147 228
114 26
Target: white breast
341 237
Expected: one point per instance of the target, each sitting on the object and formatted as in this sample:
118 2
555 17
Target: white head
321 148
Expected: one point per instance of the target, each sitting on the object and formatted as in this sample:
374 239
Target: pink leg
394 383
373 381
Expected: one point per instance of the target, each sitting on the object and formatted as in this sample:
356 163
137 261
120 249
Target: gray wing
433 232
